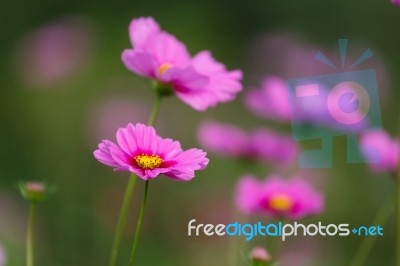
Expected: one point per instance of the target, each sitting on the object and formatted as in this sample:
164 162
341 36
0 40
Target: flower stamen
146 161
164 67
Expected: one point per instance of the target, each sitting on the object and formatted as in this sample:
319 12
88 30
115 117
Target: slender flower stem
122 220
128 195
277 245
155 111
29 234
139 224
368 242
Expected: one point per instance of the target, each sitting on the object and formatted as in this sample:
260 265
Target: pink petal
248 194
166 49
141 63
141 30
103 153
186 163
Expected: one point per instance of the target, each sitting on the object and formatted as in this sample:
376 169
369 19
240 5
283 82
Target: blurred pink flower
290 56
396 2
273 147
277 197
381 150
2 257
224 139
271 101
142 152
55 52
261 144
260 254
199 81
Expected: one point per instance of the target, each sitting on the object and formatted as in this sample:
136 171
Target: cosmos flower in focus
381 150
199 81
293 199
139 150
260 144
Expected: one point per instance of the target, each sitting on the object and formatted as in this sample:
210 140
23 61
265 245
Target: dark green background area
45 134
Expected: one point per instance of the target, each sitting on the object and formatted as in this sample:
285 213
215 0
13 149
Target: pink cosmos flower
199 81
277 197
271 101
273 98
139 150
261 144
270 146
381 150
224 139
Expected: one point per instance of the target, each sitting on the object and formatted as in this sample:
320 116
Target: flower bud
34 191
260 256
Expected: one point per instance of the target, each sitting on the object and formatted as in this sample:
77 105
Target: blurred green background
50 125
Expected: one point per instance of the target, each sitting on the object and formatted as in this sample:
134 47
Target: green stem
368 242
29 234
397 230
277 245
139 224
123 214
155 111
128 194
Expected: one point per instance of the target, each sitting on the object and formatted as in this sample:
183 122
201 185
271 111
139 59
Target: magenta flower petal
271 100
185 163
103 154
200 82
142 152
224 84
139 62
381 150
270 146
224 139
141 30
260 145
276 197
247 199
166 49
187 81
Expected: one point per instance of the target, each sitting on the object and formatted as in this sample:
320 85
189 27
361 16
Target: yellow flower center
163 68
145 161
281 203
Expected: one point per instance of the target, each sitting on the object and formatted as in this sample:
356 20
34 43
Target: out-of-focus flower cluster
260 145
